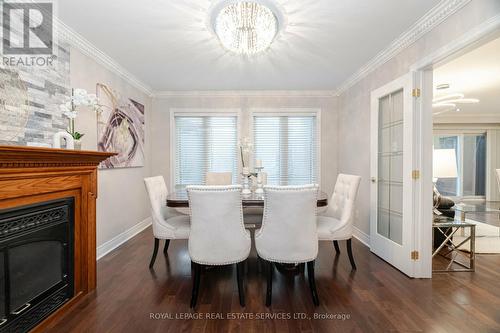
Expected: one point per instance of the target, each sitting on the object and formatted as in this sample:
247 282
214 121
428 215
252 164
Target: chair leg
155 252
269 291
259 264
349 253
312 282
240 269
196 283
336 245
167 243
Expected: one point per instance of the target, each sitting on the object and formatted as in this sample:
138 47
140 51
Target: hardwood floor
375 298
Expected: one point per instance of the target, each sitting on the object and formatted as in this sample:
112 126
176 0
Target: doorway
457 84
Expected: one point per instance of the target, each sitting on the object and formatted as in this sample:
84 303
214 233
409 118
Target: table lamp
444 165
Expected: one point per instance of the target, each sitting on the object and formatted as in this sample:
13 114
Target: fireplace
36 262
47 234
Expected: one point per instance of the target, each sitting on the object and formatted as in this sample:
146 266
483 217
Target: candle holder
259 189
246 183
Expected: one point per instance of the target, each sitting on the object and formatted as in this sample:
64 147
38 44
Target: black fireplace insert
36 262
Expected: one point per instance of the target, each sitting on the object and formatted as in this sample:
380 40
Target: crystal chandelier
246 27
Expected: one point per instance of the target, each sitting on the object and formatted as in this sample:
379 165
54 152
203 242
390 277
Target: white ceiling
167 45
476 74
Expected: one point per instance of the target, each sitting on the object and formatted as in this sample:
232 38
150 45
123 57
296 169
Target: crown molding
67 34
245 93
429 21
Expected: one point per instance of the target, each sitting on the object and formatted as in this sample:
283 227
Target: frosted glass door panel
390 167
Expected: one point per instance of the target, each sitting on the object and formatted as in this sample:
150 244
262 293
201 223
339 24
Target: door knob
374 180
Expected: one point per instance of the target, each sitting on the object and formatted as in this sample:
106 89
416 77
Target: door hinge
415 174
414 255
415 92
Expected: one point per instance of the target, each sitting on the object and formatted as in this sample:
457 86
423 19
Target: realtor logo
27 28
27 33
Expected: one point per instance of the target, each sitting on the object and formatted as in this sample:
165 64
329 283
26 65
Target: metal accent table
448 227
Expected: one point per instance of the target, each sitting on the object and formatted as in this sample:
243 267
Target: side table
449 249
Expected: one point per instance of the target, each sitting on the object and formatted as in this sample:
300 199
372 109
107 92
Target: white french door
391 216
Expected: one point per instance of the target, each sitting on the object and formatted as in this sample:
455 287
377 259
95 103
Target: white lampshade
444 163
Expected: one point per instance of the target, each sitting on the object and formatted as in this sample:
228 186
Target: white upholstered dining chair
218 235
288 234
218 178
168 223
336 223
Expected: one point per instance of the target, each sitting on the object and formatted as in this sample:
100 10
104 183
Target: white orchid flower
71 114
64 108
79 92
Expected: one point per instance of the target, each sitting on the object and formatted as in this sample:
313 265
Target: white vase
56 140
78 144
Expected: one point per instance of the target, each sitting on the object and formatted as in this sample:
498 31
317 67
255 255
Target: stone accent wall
44 89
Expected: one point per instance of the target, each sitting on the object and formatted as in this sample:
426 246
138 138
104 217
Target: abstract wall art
120 129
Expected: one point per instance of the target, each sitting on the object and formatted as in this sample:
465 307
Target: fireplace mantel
27 157
30 175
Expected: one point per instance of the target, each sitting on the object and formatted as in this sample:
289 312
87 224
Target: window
204 144
470 150
288 148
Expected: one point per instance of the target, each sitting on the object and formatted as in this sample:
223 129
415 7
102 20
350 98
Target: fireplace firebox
36 262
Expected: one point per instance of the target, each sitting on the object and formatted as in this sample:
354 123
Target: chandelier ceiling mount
246 26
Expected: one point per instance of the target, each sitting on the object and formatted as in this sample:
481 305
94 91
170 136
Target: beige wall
160 130
354 104
122 201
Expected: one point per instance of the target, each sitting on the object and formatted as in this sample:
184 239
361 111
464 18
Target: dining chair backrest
218 235
341 205
157 192
218 178
288 233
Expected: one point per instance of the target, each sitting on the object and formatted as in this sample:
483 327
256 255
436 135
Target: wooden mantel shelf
28 157
30 175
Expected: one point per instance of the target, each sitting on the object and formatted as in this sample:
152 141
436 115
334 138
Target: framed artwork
120 129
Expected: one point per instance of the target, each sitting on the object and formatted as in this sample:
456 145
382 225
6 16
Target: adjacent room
250 165
466 168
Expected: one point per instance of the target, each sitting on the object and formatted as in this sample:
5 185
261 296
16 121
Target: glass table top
467 208
442 221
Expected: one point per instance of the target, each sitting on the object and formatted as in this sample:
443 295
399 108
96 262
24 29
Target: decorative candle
246 171
258 163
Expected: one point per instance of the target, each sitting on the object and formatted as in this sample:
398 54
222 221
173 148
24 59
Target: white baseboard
118 240
361 236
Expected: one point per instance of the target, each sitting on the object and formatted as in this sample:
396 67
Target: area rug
487 238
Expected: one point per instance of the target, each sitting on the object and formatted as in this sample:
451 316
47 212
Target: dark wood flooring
375 298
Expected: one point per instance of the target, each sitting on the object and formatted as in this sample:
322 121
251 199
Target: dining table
179 199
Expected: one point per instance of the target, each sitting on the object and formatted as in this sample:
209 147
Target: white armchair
336 222
167 222
218 235
288 233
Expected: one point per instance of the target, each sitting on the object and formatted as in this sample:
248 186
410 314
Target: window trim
283 112
197 112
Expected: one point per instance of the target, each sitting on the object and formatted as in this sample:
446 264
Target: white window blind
288 148
204 144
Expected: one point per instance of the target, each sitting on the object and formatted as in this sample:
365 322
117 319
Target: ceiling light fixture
447 97
449 102
245 27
